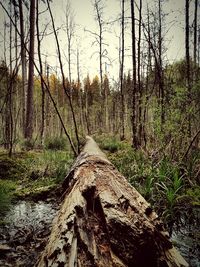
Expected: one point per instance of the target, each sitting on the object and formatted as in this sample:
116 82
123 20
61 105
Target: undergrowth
7 188
170 186
30 174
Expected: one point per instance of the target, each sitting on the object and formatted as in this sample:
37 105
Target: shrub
56 143
110 144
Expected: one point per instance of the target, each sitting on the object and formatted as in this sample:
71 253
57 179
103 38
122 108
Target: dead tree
29 104
66 89
104 221
46 87
187 57
133 119
23 62
122 74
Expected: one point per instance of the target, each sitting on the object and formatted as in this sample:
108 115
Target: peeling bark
104 221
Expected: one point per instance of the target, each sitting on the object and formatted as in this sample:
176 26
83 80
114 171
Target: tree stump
104 221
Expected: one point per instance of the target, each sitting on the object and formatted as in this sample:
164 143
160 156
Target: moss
32 174
194 195
11 168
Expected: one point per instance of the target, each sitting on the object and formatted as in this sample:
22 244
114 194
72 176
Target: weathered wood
104 221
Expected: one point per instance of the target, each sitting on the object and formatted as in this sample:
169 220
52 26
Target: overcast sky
84 17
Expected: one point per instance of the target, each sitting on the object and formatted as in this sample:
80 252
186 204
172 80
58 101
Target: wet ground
25 234
28 226
187 241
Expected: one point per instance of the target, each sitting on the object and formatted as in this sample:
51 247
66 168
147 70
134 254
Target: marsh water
28 225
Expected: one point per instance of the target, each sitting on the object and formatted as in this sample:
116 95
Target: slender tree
42 73
195 37
139 78
160 65
99 7
187 56
134 124
29 107
122 74
66 89
46 88
70 30
23 63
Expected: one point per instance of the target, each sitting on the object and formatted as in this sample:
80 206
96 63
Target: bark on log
104 221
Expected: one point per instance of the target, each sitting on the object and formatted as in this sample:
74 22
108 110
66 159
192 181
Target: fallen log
104 221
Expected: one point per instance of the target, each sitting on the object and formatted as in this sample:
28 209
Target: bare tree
160 64
139 78
29 107
134 126
9 101
23 62
67 91
187 56
70 30
195 37
80 92
46 87
99 10
122 75
41 71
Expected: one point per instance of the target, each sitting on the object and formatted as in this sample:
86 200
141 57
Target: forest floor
29 195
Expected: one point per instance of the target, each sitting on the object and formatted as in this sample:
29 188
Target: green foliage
56 143
111 144
194 195
6 194
44 171
33 173
162 182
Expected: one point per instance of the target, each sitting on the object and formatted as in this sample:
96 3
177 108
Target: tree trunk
42 74
160 66
122 77
29 108
187 56
195 39
66 90
134 126
23 61
104 221
139 78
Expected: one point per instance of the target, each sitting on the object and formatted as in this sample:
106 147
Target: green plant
6 189
27 144
109 144
56 143
10 168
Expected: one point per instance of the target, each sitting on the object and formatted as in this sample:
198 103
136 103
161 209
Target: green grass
163 182
110 144
56 143
33 172
7 188
10 168
170 186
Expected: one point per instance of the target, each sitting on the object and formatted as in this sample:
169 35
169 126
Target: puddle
188 243
24 236
31 214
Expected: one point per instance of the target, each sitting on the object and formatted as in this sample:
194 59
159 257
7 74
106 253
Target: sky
84 17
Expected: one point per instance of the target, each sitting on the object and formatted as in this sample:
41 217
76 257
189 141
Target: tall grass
166 184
